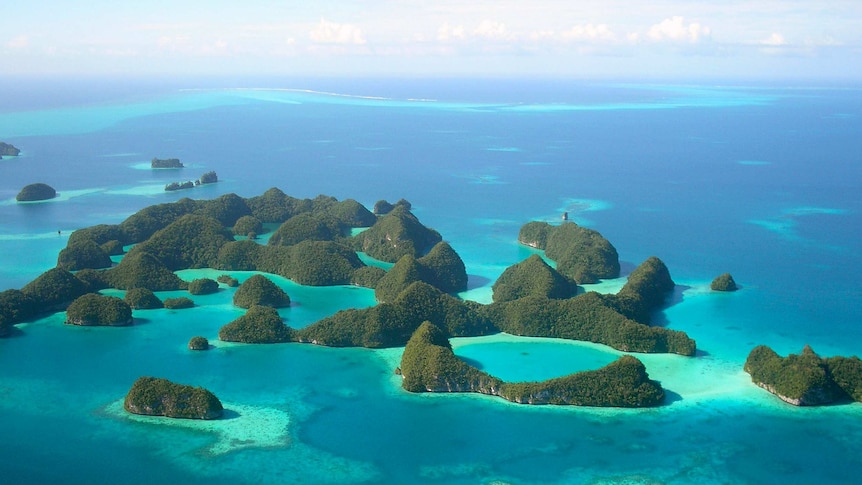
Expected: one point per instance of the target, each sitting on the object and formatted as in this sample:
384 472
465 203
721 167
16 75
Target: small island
166 163
153 396
199 343
7 150
723 282
207 178
94 309
806 379
36 192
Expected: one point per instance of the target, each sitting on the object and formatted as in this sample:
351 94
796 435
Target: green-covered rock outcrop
582 255
166 163
395 234
806 379
153 396
35 192
260 290
8 150
441 268
723 282
532 277
429 365
94 309
259 325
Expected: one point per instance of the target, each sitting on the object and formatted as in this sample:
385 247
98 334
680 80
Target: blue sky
661 39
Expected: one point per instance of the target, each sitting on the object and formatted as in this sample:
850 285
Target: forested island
153 396
314 245
806 379
207 178
35 192
166 163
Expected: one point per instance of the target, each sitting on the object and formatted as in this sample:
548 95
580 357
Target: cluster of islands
317 243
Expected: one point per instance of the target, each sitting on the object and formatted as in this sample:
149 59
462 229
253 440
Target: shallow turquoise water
757 181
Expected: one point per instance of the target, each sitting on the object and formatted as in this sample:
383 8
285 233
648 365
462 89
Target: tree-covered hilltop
392 324
7 150
192 241
153 396
429 365
441 268
646 291
723 282
260 290
179 303
306 226
82 254
34 192
54 289
532 277
94 309
806 379
396 234
382 207
142 299
582 255
259 325
140 269
203 286
166 163
246 225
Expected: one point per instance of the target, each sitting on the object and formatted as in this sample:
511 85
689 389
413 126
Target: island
152 396
582 255
723 282
260 290
429 365
806 379
199 343
142 299
203 286
166 163
260 325
94 309
36 192
7 150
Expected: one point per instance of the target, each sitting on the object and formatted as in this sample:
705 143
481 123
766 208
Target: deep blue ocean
762 181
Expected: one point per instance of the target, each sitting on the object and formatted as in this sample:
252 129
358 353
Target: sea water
759 181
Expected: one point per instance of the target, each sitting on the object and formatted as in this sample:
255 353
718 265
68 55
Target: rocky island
429 365
93 309
36 192
723 282
7 150
806 379
153 396
166 163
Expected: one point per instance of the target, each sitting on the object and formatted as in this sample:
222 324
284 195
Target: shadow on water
658 318
670 397
476 281
229 414
473 362
626 268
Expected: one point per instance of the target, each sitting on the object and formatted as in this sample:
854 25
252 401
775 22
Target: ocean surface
760 181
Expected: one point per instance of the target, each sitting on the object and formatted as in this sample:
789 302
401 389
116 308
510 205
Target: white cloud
491 29
775 39
446 33
675 29
589 33
18 42
334 33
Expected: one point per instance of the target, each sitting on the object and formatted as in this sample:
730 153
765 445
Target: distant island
153 396
7 150
207 178
36 192
806 379
723 282
166 163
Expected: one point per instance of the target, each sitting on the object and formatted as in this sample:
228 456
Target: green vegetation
723 282
94 280
532 277
203 286
585 317
199 343
259 325
166 163
188 184
16 306
429 365
153 396
582 255
113 247
142 299
96 309
246 224
805 379
645 292
208 178
321 263
275 206
84 253
7 150
392 324
367 276
54 289
226 209
260 290
34 192
382 207
140 269
405 272
396 234
180 303
228 280
441 268
192 241
305 227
